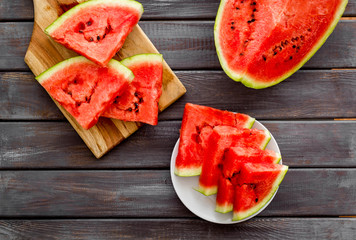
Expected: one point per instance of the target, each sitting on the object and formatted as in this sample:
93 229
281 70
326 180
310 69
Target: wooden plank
257 228
154 9
302 96
53 145
186 45
304 192
43 53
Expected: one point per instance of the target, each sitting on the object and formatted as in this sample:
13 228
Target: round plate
204 206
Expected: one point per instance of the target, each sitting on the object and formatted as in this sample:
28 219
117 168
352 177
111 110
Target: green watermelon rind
224 208
187 172
142 58
255 209
113 64
71 12
267 139
249 81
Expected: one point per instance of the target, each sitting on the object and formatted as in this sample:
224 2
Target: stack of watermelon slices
128 90
230 159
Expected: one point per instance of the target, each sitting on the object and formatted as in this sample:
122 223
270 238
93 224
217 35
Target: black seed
91 39
98 37
136 105
70 93
75 81
77 104
246 41
294 46
263 58
140 100
81 31
252 15
282 44
309 30
232 23
286 42
280 48
115 101
248 21
256 200
86 98
136 94
104 36
290 57
237 8
242 1
254 3
274 53
232 27
241 54
136 111
253 20
302 38
254 10
298 47
129 109
89 23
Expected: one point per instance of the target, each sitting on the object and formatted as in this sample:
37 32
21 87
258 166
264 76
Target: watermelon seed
241 54
309 30
129 109
232 23
254 10
252 15
242 1
302 37
232 27
264 58
256 200
81 31
237 8
294 46
89 23
91 39
290 57
274 53
140 100
98 37
136 105
136 111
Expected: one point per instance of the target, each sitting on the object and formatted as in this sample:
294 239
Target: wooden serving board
43 53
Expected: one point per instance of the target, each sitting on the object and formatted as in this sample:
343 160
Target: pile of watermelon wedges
97 85
229 156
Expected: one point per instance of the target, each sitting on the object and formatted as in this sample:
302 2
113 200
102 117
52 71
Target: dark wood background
52 187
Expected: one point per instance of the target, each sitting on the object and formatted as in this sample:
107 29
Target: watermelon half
96 29
261 43
140 101
257 184
84 88
197 124
231 165
221 139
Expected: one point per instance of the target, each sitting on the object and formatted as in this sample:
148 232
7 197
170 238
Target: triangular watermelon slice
140 101
96 29
84 88
231 165
257 184
222 138
197 124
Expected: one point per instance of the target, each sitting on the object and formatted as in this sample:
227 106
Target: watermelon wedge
140 101
257 184
261 43
221 139
84 88
231 165
197 124
96 29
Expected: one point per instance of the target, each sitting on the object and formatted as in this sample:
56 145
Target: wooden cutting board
43 53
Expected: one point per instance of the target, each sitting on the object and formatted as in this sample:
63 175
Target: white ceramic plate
204 206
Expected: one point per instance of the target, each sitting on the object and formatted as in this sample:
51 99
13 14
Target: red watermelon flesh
140 101
222 138
232 162
260 43
96 29
225 196
85 89
197 123
257 184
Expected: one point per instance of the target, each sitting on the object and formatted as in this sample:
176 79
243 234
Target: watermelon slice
84 88
222 138
96 29
257 184
261 43
231 165
197 124
140 101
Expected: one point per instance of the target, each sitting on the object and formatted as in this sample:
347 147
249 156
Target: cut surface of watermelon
197 124
222 138
84 88
257 184
139 102
261 43
232 162
96 29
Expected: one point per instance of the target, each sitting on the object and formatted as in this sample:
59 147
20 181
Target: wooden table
51 186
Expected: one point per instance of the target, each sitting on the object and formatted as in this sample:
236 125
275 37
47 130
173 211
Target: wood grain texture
303 192
54 145
43 53
154 9
186 45
305 95
257 228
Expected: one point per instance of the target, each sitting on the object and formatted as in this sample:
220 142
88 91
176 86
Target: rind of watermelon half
247 78
189 159
139 102
114 44
84 88
214 155
237 216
